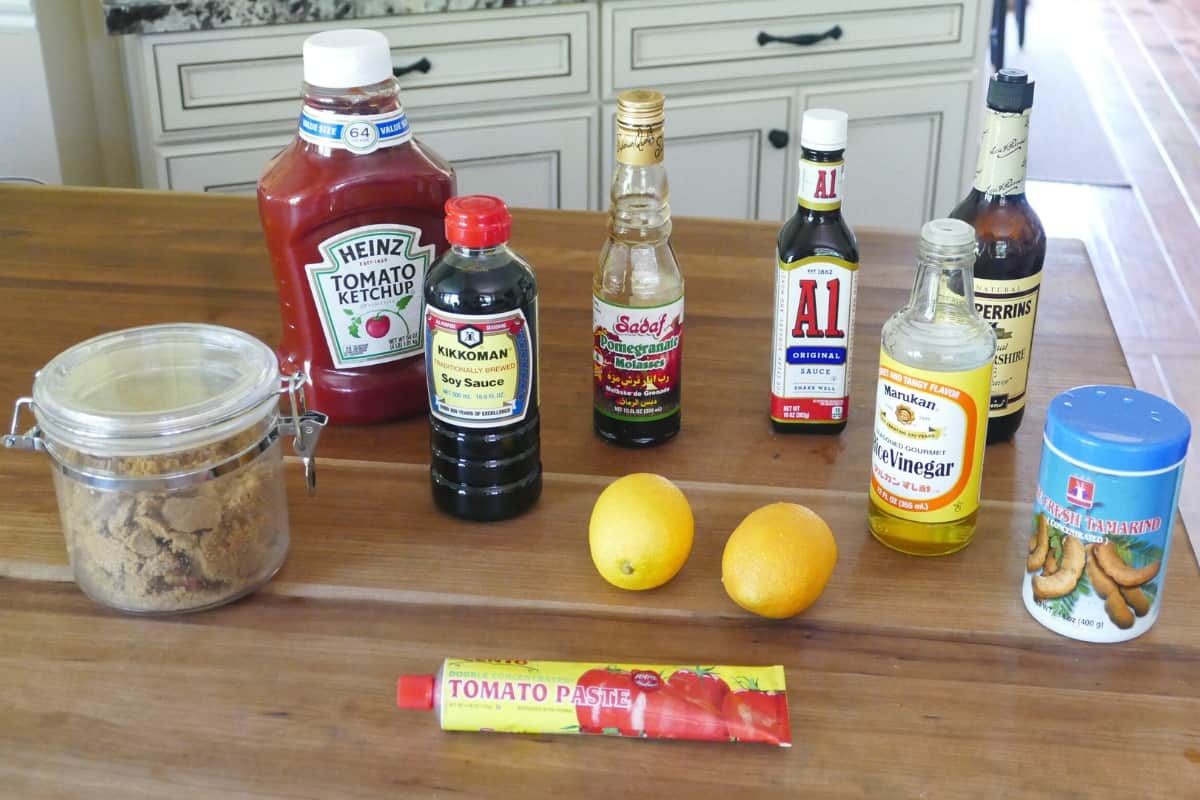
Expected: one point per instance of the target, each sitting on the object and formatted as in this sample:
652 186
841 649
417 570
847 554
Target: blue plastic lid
1117 428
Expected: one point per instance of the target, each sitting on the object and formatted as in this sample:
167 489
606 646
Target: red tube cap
415 692
477 220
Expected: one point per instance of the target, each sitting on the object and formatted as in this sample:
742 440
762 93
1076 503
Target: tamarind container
1108 487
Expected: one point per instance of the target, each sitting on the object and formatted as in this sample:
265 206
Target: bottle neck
640 209
1003 152
821 177
360 120
478 252
944 286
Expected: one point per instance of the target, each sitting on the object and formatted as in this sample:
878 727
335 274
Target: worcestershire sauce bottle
816 269
1010 245
481 348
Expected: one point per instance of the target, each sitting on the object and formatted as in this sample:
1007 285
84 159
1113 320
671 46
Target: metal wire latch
304 425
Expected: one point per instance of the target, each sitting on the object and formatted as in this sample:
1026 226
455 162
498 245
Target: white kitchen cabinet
534 160
904 147
522 99
719 156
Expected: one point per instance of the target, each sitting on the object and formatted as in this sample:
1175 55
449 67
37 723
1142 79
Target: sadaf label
637 355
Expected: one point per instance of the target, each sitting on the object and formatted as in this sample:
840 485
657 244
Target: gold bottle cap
640 108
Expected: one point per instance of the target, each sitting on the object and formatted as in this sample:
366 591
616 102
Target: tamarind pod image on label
1138 599
1039 546
1106 587
1125 575
1062 583
1051 565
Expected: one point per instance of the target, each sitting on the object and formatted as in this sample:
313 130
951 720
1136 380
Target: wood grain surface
909 678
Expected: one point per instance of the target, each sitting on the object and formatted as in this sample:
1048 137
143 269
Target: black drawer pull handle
778 138
802 39
417 66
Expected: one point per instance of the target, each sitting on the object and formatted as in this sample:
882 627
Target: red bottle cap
477 220
415 692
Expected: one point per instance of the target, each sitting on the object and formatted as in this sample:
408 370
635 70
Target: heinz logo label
1080 492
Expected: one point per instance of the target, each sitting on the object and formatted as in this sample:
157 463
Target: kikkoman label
358 133
813 339
927 454
1003 151
368 289
1010 307
479 367
637 355
821 184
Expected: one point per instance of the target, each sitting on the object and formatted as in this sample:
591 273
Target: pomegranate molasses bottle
816 273
352 212
637 291
481 350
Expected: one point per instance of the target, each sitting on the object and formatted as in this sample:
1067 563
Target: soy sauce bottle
481 351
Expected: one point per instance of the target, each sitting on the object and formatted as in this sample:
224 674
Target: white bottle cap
948 233
346 58
823 129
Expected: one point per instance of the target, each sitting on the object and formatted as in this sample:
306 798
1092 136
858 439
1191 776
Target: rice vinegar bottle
931 407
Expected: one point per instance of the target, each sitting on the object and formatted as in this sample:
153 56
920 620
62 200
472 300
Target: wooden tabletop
909 677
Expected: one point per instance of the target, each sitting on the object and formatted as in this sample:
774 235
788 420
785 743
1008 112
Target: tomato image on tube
648 701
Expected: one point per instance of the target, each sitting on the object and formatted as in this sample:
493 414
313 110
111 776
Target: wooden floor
1140 63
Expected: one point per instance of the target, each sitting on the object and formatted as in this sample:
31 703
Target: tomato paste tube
652 701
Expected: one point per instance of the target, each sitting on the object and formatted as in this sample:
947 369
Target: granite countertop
161 16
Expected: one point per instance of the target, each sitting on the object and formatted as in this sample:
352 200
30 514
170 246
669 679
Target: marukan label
927 454
636 360
367 289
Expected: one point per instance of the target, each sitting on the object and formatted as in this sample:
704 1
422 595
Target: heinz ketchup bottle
352 211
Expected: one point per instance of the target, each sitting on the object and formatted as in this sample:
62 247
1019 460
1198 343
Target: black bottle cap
1010 90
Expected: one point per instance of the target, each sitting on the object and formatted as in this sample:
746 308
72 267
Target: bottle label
1112 531
368 289
652 701
1010 307
639 146
814 337
1003 149
358 133
927 454
479 367
636 360
821 184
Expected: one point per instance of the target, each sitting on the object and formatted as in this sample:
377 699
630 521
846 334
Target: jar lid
155 388
1117 429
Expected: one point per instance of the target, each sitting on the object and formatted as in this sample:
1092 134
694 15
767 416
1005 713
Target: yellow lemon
641 531
777 561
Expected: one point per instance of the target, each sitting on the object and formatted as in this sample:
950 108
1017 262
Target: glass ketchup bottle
352 212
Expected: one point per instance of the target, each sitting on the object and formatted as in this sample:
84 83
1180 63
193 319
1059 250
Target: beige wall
62 70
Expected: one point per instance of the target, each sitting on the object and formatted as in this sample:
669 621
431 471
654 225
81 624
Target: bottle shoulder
950 343
407 174
808 234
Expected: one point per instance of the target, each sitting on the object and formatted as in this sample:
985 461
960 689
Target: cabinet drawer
206 80
669 41
541 159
